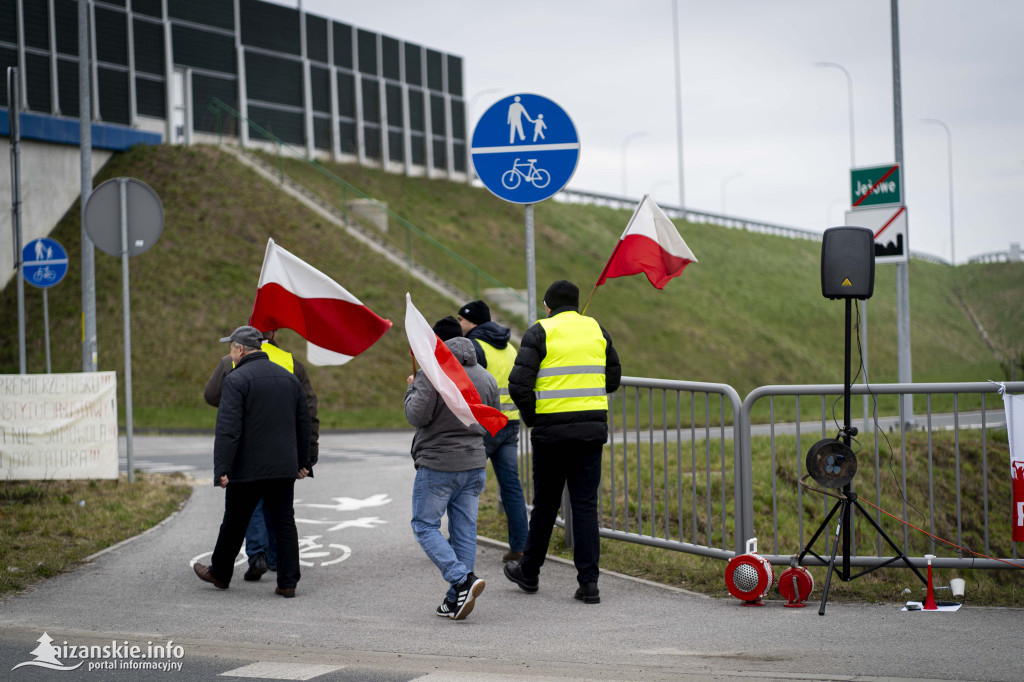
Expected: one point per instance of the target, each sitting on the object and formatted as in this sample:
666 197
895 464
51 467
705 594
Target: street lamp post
949 147
679 98
849 95
625 141
725 181
853 163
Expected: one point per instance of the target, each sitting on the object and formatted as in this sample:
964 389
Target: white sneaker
466 593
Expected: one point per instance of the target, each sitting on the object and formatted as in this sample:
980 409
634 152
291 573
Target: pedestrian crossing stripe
267 670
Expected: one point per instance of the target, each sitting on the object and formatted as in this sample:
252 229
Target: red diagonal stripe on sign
880 181
891 220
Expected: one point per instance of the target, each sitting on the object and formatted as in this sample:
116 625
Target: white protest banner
58 426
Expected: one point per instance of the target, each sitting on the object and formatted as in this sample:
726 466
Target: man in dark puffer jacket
261 447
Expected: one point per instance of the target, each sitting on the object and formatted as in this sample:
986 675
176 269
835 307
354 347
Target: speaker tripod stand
840 467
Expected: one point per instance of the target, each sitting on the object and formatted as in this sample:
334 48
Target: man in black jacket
565 368
260 542
261 447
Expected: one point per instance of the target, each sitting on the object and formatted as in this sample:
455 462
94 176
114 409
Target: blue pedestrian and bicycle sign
525 148
44 262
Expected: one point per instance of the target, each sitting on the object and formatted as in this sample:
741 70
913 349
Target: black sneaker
447 608
588 593
466 593
257 568
514 572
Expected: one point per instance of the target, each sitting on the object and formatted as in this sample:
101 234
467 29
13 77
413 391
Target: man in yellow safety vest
496 354
565 368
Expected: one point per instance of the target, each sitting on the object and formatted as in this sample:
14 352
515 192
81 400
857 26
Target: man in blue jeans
450 465
495 354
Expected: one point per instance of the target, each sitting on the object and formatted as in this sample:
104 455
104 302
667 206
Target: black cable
874 415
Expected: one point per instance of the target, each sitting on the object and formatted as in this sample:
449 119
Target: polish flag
446 374
1014 405
651 245
294 295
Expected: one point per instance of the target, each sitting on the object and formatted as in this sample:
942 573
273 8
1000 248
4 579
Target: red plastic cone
929 599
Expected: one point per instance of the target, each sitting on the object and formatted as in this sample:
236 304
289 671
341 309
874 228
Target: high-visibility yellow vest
499 364
277 356
571 374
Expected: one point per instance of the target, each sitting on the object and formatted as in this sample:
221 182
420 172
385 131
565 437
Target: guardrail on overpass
572 196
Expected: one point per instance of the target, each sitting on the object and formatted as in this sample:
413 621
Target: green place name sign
876 186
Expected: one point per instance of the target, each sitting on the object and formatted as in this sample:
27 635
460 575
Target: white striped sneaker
447 609
466 593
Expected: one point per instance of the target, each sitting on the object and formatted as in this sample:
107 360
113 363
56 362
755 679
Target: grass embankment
46 527
749 313
198 282
637 506
994 293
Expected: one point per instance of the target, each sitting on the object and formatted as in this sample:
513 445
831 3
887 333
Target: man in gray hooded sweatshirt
450 464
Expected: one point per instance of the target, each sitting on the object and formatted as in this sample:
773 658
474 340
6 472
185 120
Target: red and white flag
446 374
294 295
651 245
1015 431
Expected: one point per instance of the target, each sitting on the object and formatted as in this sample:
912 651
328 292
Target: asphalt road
365 607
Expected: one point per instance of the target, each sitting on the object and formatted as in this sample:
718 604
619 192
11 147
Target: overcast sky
765 131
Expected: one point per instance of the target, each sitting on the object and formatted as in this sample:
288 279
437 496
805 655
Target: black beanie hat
561 294
447 328
476 312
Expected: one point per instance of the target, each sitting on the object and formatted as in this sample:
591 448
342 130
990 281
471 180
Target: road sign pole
123 189
15 125
90 354
46 328
531 270
905 375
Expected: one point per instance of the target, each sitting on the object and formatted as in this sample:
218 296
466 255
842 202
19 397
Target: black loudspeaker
847 263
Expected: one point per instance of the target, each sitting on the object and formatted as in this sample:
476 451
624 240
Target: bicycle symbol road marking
309 551
349 503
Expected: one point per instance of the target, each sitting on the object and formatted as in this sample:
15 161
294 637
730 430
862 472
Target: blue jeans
259 537
458 493
503 451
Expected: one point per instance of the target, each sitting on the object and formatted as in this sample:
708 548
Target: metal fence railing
669 477
952 448
677 475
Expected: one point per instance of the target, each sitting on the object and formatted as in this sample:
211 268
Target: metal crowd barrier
902 459
668 476
677 475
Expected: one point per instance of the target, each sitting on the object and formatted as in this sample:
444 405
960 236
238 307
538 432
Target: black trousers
239 502
556 465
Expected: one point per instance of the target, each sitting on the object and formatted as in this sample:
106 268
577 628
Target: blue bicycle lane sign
44 262
525 148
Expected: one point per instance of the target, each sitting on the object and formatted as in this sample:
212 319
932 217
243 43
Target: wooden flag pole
589 298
